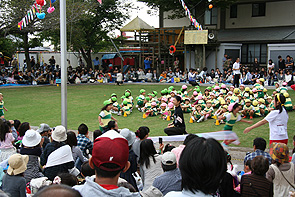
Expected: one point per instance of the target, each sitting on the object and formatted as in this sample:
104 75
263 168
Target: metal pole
63 53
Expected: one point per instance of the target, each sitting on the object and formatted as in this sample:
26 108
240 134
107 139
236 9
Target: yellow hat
208 101
247 89
255 103
269 97
286 94
222 102
236 90
225 106
262 100
262 80
264 90
251 92
247 101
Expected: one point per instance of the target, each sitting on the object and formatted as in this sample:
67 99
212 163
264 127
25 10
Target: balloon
40 2
50 9
40 15
210 6
52 1
38 6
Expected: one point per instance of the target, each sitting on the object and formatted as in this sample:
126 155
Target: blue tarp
108 56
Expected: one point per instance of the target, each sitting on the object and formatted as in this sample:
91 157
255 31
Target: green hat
127 94
171 88
155 93
197 87
165 91
125 102
152 95
114 94
178 92
147 98
107 102
210 88
213 86
137 98
128 90
123 97
142 91
198 90
114 99
162 91
169 91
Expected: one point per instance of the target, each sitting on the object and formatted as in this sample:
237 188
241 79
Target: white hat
168 159
128 135
59 134
17 164
31 138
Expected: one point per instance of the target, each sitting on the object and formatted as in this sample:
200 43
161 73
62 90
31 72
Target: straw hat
17 164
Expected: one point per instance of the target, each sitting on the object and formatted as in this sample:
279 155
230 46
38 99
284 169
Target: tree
92 32
12 11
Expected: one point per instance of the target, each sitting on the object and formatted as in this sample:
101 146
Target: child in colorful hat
197 115
105 115
164 111
248 109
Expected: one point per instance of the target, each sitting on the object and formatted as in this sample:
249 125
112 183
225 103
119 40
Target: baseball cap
168 159
110 147
43 128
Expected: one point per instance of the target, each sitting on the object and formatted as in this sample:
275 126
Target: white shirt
278 124
119 77
236 66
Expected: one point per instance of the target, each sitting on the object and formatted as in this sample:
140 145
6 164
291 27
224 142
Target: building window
211 16
258 9
252 51
233 11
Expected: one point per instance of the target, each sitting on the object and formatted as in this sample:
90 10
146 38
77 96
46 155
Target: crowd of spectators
50 73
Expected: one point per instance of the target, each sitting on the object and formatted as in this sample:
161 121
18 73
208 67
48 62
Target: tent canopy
108 56
137 24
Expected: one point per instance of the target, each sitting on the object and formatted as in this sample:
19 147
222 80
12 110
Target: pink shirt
8 141
177 151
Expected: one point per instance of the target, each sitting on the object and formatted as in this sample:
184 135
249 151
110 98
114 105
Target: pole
63 46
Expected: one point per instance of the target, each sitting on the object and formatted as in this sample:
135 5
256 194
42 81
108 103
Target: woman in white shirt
270 65
277 119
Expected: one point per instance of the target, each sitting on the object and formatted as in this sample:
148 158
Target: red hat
110 147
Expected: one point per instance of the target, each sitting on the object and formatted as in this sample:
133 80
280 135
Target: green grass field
42 105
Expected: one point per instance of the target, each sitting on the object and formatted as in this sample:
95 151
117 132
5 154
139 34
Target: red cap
110 147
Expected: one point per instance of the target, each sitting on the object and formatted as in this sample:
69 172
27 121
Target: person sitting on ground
13 182
6 141
96 134
57 155
112 125
281 172
109 159
256 184
149 163
45 132
171 179
177 127
202 165
78 156
178 150
32 143
142 133
83 141
259 145
57 191
132 158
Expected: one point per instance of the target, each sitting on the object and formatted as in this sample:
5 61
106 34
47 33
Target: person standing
96 63
281 63
277 119
52 63
147 63
237 72
177 127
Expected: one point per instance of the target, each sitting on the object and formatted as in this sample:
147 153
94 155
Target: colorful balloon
40 2
50 10
40 15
